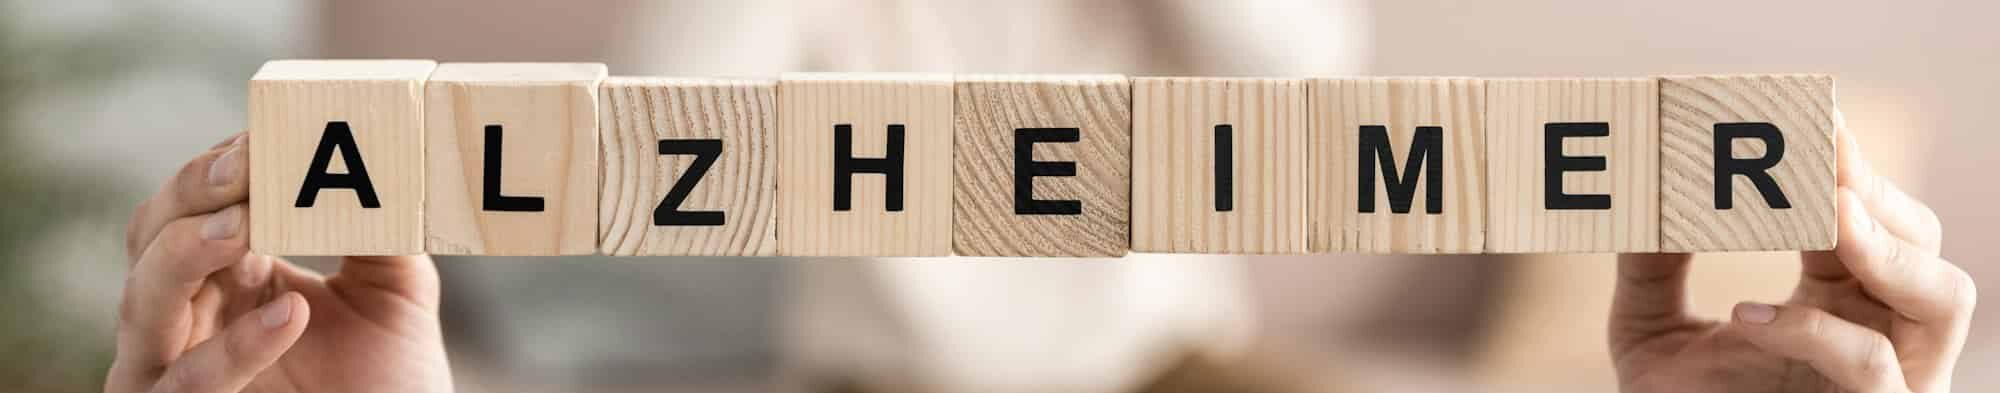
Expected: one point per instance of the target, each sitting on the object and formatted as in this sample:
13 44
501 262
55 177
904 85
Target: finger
1855 357
235 138
155 317
1918 285
1901 214
411 277
213 180
1651 297
229 361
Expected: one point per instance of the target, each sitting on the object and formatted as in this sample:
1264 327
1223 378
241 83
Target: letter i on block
512 155
1398 165
1043 166
689 167
866 167
1218 165
1572 165
1747 163
337 153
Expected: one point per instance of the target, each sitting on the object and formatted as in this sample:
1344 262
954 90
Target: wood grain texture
1173 174
810 105
1517 114
1340 107
291 103
989 111
547 114
742 183
1802 108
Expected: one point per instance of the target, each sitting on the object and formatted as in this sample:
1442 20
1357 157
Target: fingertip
1754 313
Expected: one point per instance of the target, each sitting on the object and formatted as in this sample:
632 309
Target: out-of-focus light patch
140 128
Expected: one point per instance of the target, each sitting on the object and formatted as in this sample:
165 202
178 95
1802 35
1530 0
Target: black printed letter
337 137
1554 163
1026 169
845 166
668 213
490 197
1426 153
1225 168
1757 169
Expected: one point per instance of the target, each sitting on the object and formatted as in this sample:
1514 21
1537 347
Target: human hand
203 314
1882 312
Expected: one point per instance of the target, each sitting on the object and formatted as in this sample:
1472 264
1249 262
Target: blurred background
101 100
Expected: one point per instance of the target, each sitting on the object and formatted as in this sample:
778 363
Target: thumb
1855 357
229 361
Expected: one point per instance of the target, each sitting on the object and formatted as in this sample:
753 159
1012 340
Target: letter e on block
512 155
866 167
1043 166
1572 165
689 167
1747 163
337 155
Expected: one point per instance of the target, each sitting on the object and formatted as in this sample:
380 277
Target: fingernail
277 313
1758 313
227 167
223 224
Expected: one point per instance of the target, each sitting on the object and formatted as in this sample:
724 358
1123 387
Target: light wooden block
1612 204
1341 108
1178 188
1084 212
730 210
540 196
379 103
812 108
1692 109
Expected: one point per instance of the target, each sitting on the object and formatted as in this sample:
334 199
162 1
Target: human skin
1883 312
201 313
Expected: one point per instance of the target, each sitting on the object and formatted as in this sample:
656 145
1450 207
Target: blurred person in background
1152 323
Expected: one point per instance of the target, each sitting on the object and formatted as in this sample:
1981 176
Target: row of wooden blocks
408 156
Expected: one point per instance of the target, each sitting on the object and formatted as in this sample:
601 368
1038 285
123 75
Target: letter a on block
1043 166
689 167
866 167
1747 163
1218 165
341 131
1572 165
1398 165
512 152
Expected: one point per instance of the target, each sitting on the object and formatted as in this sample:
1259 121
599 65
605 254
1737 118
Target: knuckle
1878 364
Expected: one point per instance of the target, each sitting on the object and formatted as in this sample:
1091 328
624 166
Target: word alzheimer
407 156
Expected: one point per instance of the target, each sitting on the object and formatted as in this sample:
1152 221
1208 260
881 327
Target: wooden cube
1572 165
1747 163
512 153
1219 165
689 167
866 167
337 157
1398 165
1042 166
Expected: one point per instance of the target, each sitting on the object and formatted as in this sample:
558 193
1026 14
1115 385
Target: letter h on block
866 168
337 153
1747 163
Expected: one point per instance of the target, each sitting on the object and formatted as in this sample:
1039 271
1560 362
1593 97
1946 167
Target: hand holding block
337 157
1572 165
512 154
1219 165
1042 166
689 167
1399 165
866 168
1747 163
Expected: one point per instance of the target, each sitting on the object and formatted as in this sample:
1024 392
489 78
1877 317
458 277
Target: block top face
519 72
351 70
641 81
1041 78
922 77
